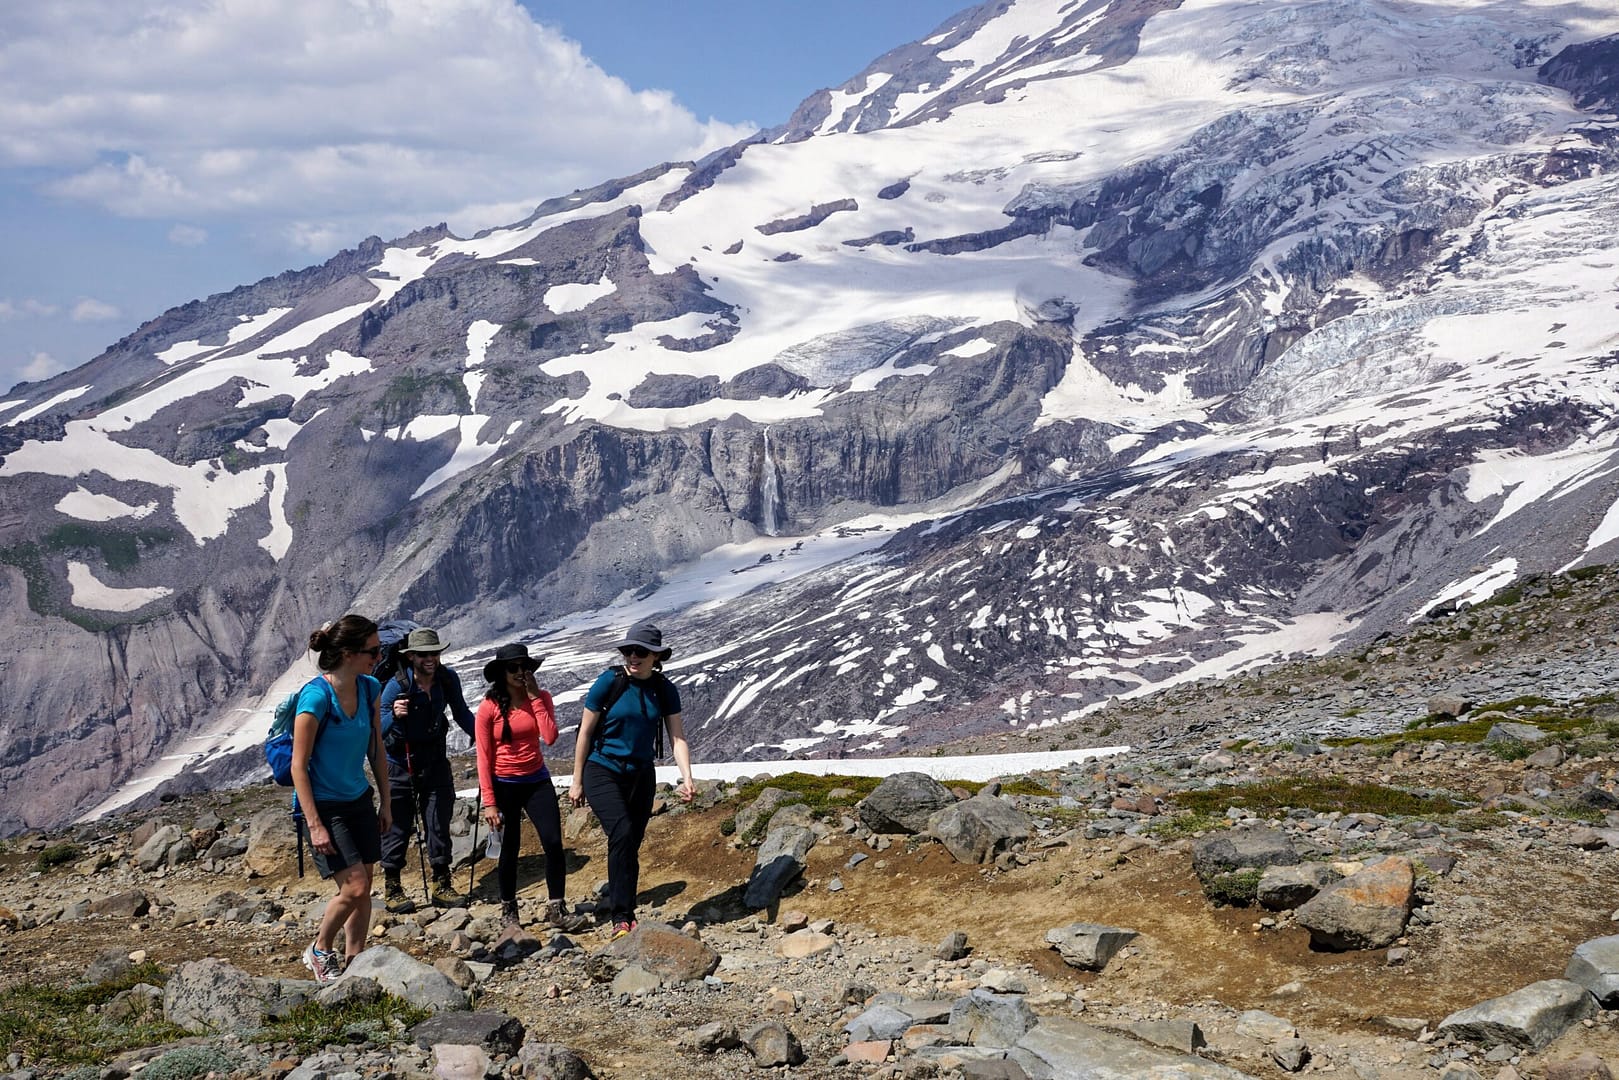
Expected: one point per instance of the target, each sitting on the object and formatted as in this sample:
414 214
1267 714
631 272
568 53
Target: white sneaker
325 965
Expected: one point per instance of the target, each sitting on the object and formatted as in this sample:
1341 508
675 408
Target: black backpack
391 637
661 690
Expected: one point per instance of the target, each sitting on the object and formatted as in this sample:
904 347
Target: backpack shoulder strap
620 683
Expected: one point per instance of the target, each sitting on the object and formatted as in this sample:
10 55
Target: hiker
515 717
338 727
613 758
414 730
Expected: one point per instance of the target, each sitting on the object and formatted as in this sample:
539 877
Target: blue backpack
278 743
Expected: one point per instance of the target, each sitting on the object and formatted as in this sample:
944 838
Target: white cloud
188 236
42 366
89 309
320 120
14 309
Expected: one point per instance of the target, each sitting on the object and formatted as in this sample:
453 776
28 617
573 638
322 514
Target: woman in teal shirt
337 728
613 766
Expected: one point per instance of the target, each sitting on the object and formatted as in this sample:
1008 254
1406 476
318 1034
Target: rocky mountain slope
1511 837
1072 351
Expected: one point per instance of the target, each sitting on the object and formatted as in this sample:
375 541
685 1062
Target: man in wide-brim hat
414 733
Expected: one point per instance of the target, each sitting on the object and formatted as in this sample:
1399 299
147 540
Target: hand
385 819
491 817
576 793
320 839
401 707
687 789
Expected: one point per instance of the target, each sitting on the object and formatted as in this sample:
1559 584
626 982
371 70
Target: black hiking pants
622 802
537 799
434 797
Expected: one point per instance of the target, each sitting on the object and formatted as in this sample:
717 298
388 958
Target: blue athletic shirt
630 728
337 763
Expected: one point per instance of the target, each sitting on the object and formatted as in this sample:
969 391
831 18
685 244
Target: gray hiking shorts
356 834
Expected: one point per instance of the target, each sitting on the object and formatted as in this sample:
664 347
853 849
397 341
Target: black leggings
622 802
538 799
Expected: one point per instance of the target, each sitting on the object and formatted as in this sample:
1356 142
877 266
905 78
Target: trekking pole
298 830
472 867
418 821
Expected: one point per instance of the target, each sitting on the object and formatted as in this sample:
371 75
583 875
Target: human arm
395 703
305 730
545 713
379 766
456 699
483 747
581 751
682 753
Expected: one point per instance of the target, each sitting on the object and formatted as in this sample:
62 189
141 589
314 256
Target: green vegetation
119 549
1240 888
312 1025
56 855
411 394
1176 826
818 791
1317 794
184 1062
51 1025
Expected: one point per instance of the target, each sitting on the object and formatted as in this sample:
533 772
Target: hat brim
426 652
662 654
493 669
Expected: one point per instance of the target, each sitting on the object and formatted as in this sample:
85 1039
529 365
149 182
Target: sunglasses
634 652
516 666
373 652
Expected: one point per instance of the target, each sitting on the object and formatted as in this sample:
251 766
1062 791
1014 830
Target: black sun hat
505 655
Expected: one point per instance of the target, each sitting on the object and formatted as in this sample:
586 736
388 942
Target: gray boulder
553 1061
1366 910
494 1032
772 1044
129 904
882 1021
404 976
1595 966
976 830
109 965
155 852
780 861
1088 946
1285 887
660 950
986 1019
759 810
903 803
1058 1048
211 995
272 844
349 990
1241 849
1530 1018
1508 732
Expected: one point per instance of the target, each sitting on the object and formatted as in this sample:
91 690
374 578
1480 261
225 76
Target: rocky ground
1510 877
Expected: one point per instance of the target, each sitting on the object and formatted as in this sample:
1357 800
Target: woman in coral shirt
515 716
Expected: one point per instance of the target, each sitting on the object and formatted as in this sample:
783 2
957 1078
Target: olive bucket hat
505 655
424 639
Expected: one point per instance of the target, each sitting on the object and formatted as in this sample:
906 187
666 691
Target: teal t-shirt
337 764
630 727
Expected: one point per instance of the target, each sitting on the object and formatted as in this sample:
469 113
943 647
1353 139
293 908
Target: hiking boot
325 965
508 913
557 915
393 894
622 928
444 894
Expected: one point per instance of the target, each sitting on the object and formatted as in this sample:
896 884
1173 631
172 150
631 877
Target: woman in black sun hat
614 753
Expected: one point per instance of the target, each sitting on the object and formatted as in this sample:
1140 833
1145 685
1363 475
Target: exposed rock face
1247 373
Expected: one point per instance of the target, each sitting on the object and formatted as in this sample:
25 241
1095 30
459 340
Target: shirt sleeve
312 699
484 745
389 693
598 691
671 694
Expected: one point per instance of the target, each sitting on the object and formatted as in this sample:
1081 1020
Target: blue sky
154 153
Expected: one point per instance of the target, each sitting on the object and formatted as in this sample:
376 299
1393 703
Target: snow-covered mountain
1083 346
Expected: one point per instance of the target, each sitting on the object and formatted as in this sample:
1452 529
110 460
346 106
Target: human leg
622 802
509 800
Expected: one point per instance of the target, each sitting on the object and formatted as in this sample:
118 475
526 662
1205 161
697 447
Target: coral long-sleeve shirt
516 755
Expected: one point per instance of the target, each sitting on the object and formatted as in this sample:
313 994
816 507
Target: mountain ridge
1313 318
